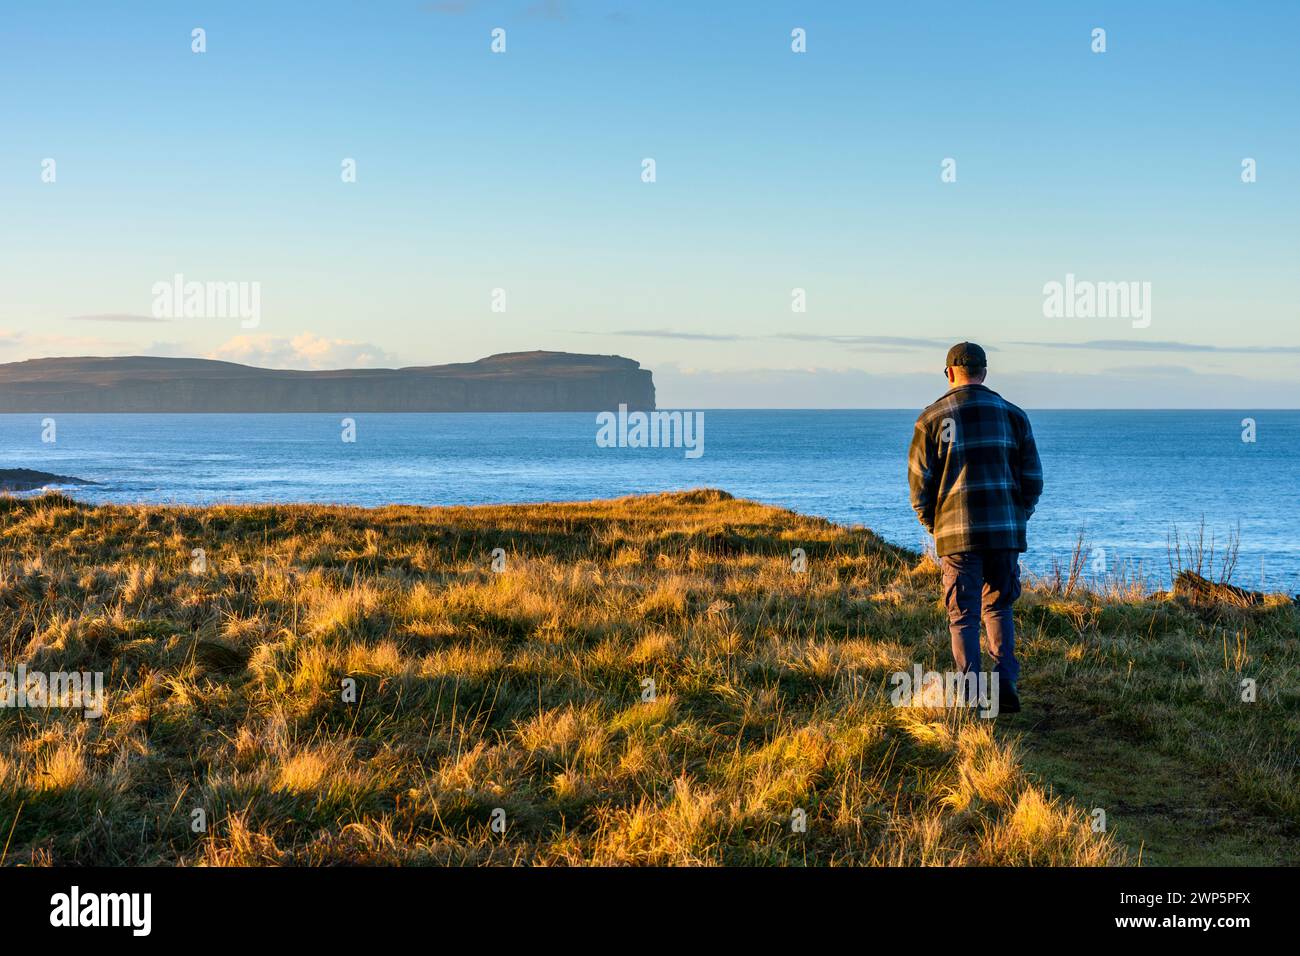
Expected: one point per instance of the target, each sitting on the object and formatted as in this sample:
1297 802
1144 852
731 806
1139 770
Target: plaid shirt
974 471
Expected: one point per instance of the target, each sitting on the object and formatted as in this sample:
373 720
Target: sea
1128 481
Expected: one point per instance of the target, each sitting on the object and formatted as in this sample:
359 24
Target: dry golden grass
523 696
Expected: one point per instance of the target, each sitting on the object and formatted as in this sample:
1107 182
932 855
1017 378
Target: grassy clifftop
518 699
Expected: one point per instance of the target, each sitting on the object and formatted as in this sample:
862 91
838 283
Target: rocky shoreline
25 479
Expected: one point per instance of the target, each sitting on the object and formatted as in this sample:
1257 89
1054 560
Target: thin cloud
115 317
449 8
43 345
548 10
894 343
304 351
863 341
165 349
1140 345
873 343
669 334
1150 370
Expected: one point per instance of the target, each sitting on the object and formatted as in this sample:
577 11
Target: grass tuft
644 681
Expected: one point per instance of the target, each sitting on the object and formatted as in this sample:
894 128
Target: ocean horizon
1126 479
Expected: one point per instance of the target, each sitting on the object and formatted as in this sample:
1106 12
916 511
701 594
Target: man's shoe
1008 699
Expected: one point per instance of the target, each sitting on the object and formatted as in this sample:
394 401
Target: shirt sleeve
1031 471
920 474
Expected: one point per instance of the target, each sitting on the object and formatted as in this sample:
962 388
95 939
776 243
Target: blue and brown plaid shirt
974 471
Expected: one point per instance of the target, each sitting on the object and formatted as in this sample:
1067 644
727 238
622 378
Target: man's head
967 364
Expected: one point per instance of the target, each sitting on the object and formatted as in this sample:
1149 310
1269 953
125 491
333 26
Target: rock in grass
1201 589
220 655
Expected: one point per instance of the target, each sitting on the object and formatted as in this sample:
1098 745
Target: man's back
974 471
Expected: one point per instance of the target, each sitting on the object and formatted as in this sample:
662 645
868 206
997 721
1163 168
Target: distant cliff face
510 382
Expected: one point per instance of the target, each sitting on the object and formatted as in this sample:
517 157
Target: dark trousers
982 584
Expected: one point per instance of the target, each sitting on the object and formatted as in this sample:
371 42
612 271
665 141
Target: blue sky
775 170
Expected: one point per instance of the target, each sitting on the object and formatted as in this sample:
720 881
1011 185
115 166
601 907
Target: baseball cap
968 354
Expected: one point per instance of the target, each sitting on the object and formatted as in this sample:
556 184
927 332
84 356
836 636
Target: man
976 478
